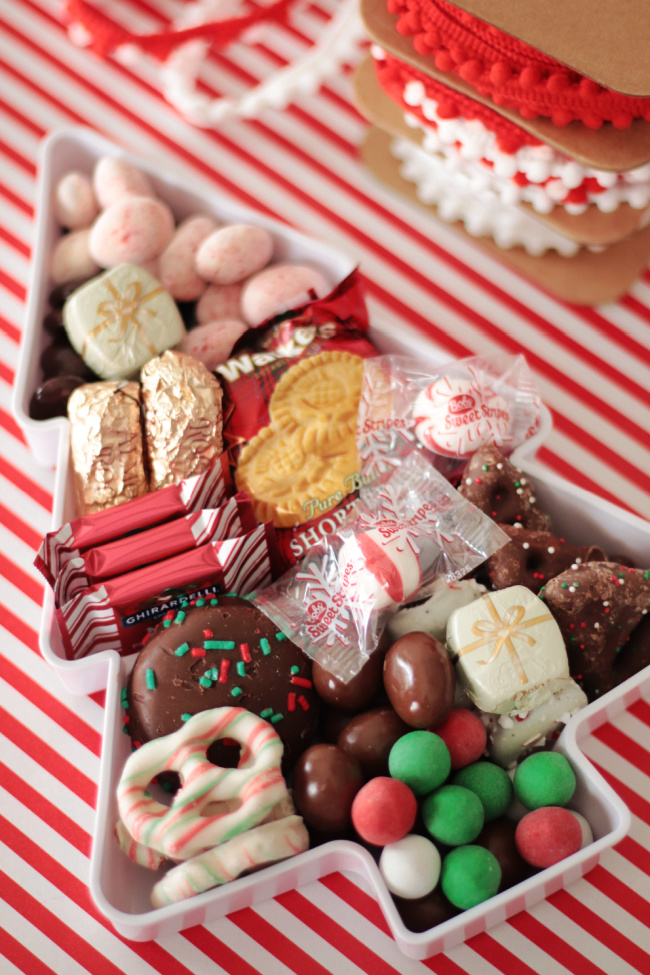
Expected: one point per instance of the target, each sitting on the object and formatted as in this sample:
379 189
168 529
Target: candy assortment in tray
120 887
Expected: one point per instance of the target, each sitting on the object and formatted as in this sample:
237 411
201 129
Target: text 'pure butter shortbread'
305 461
120 320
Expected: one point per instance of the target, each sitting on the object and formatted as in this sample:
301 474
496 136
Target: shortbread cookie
291 472
321 387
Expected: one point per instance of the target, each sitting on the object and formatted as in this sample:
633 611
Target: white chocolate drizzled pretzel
213 803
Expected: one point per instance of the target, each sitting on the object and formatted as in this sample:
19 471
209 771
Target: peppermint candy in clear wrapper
449 410
407 529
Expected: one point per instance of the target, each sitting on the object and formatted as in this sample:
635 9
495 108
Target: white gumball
410 867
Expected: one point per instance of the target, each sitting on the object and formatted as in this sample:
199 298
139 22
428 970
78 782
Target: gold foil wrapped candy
183 418
106 444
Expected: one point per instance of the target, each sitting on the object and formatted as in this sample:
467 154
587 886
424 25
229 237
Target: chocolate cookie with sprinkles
221 652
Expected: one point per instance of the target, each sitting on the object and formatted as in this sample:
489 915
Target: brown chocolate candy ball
325 781
498 837
353 695
419 680
369 736
61 292
53 322
60 359
423 913
50 399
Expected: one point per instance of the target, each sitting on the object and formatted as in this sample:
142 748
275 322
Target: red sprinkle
291 701
197 652
244 649
300 681
303 702
223 671
207 634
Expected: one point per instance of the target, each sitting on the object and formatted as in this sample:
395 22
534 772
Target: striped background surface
592 367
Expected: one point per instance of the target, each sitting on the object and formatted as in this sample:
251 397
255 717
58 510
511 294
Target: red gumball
383 811
465 736
547 835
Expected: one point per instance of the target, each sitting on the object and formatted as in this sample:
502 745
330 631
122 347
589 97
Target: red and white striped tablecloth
592 367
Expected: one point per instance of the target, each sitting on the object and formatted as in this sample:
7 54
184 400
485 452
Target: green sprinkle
200 602
266 713
565 585
219 644
167 623
205 681
124 703
236 691
295 669
182 650
265 645
180 616
485 467
150 679
231 595
241 668
125 729
214 602
280 635
185 717
276 718
124 692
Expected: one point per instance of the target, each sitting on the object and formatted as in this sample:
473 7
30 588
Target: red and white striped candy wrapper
231 519
207 490
118 613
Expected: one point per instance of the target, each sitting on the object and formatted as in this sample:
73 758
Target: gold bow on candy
503 632
124 310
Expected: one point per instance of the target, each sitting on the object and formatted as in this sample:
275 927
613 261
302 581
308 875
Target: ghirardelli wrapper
106 444
119 613
183 418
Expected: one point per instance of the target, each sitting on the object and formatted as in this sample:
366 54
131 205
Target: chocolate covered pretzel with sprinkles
597 606
532 558
218 652
501 490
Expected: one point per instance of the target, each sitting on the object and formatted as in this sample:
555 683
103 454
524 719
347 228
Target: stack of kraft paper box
525 125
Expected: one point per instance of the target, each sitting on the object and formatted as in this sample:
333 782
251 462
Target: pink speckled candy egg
280 288
233 253
116 178
212 343
177 272
131 231
71 258
75 204
218 302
